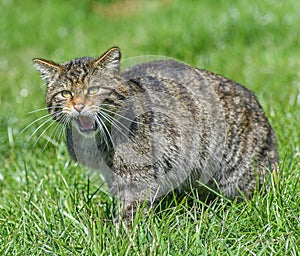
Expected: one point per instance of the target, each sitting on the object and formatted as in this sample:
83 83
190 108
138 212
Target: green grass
48 205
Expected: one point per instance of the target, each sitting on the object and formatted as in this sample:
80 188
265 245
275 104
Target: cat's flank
159 126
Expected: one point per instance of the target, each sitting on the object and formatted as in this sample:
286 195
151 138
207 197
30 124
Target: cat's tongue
86 122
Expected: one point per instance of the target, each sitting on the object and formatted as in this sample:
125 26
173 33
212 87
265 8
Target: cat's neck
88 150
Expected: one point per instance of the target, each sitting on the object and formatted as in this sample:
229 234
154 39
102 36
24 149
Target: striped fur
160 126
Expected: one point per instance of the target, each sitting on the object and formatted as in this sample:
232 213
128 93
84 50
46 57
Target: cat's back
169 78
161 75
161 70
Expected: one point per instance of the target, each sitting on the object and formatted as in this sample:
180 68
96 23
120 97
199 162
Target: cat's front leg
133 198
126 212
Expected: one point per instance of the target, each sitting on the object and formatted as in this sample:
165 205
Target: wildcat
159 126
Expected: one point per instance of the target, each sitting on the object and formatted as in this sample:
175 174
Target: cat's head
78 90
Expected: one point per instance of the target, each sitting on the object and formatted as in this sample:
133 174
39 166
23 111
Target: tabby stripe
183 94
118 95
138 85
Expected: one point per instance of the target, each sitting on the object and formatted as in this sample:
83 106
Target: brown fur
160 126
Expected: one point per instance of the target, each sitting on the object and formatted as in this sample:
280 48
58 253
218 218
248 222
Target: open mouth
86 123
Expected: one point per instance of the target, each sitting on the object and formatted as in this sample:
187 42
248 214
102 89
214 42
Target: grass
50 206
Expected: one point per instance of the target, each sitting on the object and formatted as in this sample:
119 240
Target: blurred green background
255 43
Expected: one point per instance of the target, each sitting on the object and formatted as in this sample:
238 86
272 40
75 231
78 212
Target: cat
159 126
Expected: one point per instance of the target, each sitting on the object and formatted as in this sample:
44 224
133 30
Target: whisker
103 130
33 122
119 115
66 110
118 124
61 132
66 119
37 110
51 137
63 122
114 124
39 127
46 108
58 124
44 131
44 123
103 134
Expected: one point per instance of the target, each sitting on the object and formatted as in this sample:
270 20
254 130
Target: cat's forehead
82 64
76 70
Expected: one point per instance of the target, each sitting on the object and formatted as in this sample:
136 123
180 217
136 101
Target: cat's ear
48 69
109 61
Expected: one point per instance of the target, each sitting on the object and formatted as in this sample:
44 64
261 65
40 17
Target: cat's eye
93 90
66 94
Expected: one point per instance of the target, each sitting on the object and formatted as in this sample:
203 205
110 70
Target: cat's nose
79 107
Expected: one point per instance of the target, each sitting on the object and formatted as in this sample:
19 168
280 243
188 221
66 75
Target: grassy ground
48 205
